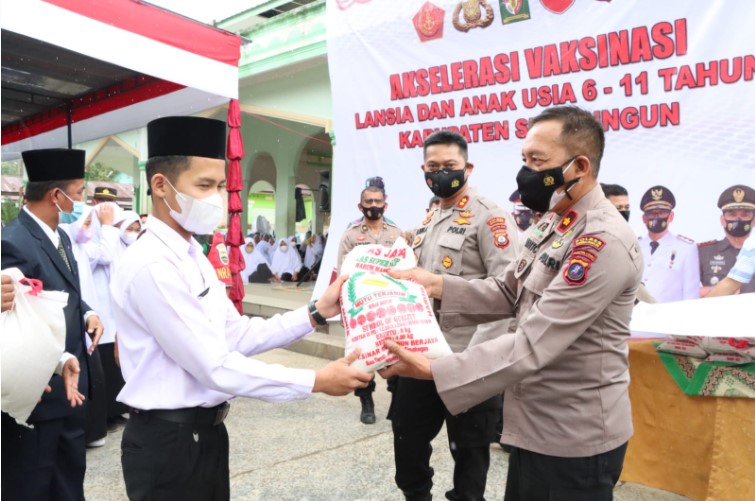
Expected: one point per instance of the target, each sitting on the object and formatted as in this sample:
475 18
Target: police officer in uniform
565 370
372 228
737 204
183 346
672 269
104 194
523 215
468 236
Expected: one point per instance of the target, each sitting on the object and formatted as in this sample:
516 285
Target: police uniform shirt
182 343
473 239
672 272
717 258
565 370
358 233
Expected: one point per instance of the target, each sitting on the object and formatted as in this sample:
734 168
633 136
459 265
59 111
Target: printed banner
671 81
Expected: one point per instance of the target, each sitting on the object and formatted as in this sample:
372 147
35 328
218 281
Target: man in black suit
49 460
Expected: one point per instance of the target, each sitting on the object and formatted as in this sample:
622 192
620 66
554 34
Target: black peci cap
56 164
186 136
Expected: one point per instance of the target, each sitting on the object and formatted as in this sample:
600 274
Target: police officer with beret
372 228
672 271
523 215
737 204
104 194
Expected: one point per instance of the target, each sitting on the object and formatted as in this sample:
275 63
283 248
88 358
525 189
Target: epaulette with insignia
356 222
709 242
685 239
389 222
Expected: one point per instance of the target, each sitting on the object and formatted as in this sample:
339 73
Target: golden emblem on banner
472 11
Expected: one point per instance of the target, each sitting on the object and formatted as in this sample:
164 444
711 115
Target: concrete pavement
316 450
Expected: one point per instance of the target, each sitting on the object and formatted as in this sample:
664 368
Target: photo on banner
672 83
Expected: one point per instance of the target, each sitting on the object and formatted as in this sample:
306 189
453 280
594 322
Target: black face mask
738 227
445 183
373 213
537 187
523 219
657 224
625 213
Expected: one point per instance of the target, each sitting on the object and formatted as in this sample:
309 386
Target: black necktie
62 253
653 246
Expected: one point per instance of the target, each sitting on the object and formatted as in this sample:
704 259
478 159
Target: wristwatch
316 314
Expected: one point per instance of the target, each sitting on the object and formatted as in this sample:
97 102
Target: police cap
105 192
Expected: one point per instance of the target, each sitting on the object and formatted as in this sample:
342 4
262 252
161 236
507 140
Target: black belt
203 416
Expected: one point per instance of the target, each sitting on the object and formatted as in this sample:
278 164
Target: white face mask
129 237
284 248
198 215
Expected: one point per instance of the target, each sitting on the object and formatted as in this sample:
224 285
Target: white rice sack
729 358
677 348
375 258
725 345
376 307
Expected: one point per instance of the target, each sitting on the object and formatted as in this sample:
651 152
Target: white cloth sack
376 258
376 307
32 341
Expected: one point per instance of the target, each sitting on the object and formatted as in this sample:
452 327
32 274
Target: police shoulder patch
589 241
575 272
501 239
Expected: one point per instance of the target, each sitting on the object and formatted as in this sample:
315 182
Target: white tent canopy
105 66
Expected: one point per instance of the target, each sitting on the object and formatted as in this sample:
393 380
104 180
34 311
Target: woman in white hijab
86 250
286 263
313 253
253 258
129 226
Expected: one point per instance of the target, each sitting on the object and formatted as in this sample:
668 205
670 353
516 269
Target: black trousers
96 408
370 388
165 461
417 415
113 380
45 463
537 477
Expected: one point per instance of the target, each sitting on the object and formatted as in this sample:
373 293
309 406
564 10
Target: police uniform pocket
540 277
450 254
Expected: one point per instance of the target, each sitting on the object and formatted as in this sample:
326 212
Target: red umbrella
234 184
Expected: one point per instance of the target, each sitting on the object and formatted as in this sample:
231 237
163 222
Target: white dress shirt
672 272
181 341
